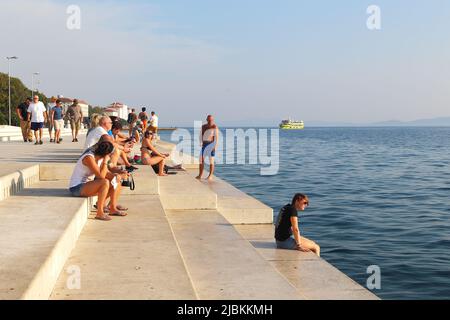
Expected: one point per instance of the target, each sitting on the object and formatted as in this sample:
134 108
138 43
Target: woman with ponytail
91 177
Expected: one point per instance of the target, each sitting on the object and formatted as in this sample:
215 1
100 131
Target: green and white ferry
292 125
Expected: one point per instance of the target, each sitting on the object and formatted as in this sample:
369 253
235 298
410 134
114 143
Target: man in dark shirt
25 125
132 119
287 233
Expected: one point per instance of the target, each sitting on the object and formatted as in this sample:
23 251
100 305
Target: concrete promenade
182 239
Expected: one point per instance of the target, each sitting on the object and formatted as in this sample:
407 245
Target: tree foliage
19 92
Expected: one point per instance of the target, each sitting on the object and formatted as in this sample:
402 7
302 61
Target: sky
248 62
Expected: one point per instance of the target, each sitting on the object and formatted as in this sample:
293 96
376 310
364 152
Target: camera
129 183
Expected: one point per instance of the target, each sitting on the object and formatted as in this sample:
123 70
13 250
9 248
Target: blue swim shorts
207 149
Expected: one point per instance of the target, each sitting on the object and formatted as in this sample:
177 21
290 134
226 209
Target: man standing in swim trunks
143 116
208 139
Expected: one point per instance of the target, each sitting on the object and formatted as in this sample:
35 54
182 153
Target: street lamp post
32 83
9 86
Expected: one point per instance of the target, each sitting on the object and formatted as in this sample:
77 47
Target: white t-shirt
154 121
37 112
82 174
94 136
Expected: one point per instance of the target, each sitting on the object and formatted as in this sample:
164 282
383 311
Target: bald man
208 139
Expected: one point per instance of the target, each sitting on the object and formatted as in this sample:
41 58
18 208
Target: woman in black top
287 233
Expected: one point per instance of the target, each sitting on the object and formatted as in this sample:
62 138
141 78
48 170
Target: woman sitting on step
91 177
150 156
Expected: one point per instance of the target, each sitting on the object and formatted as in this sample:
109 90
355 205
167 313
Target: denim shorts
289 243
76 191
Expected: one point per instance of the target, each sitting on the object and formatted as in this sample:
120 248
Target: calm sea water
378 196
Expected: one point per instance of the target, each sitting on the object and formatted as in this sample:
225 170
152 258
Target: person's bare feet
162 174
210 178
198 177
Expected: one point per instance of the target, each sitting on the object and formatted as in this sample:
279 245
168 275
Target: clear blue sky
245 61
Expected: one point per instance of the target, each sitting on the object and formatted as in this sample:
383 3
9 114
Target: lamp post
32 83
9 86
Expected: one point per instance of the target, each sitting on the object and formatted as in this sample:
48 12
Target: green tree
96 109
19 92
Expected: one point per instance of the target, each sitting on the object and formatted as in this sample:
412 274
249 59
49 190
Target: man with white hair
105 125
102 132
37 114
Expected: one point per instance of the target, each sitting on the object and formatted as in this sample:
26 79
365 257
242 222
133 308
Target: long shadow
61 193
264 244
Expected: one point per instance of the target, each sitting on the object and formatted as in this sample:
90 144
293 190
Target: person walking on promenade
154 122
287 232
132 119
50 125
57 119
25 126
143 116
37 114
91 177
208 139
75 116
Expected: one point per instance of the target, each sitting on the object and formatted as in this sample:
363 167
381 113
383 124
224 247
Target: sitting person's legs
311 245
99 188
150 161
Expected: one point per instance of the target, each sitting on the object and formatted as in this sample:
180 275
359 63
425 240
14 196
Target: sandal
118 214
104 217
105 209
119 207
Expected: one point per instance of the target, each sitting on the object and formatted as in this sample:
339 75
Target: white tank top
82 174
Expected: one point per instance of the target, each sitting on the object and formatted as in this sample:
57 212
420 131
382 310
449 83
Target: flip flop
105 209
118 214
105 217
119 207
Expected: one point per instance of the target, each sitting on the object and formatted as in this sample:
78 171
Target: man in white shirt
37 114
105 125
154 122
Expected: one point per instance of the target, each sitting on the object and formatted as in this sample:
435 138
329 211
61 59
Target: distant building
117 109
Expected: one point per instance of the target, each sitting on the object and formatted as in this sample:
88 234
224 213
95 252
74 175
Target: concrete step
38 229
14 177
133 257
183 192
314 278
176 157
236 206
146 180
221 263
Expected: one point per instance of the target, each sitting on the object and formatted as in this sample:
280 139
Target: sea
379 196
